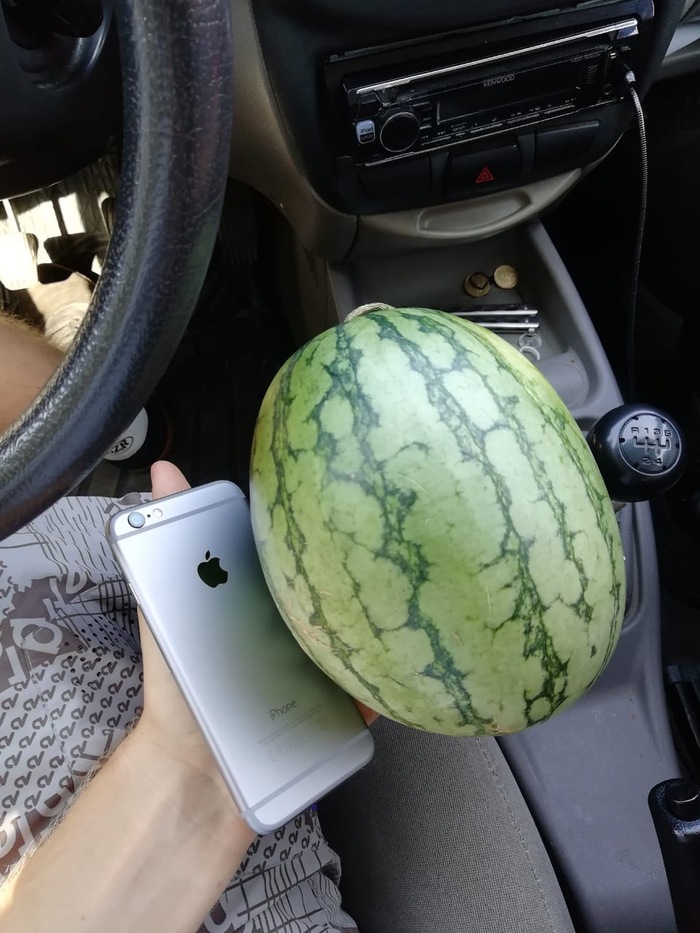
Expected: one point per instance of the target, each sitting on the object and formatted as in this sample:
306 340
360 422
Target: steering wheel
176 79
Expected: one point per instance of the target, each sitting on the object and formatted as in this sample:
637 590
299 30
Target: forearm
27 362
149 845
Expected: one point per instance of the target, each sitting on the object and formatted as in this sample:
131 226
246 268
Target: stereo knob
400 131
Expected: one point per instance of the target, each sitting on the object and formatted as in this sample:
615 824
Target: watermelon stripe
538 639
529 609
396 503
577 451
295 539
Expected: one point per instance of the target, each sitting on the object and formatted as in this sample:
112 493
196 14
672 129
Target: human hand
367 714
167 720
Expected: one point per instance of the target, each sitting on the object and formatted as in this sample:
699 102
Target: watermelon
432 525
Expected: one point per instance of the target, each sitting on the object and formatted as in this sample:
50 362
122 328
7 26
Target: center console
353 117
389 112
587 772
406 145
481 110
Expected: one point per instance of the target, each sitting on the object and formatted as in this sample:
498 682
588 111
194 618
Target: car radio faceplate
418 106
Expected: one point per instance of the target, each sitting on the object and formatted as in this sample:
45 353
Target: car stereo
418 105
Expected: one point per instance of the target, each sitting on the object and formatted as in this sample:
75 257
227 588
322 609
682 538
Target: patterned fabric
71 685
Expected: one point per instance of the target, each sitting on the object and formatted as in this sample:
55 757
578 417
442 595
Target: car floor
215 385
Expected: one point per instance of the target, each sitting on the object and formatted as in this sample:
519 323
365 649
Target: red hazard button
481 171
484 175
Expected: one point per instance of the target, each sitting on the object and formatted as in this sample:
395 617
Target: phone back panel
282 732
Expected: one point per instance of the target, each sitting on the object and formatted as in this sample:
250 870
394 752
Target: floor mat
234 345
215 384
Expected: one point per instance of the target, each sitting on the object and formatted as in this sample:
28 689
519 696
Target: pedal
238 227
109 212
683 693
18 254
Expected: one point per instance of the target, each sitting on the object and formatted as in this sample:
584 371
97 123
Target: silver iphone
282 733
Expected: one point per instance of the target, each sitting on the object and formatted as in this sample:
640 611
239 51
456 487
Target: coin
506 277
477 285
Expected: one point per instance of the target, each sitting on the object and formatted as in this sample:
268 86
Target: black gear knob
640 451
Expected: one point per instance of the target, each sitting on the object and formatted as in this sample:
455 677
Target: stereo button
398 181
400 131
480 172
367 106
565 143
365 131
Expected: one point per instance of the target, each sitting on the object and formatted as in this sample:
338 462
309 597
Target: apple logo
211 572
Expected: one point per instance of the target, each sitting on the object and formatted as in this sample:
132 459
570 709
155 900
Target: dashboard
377 126
456 113
358 119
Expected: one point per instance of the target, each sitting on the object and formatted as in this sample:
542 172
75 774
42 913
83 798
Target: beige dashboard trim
461 222
263 157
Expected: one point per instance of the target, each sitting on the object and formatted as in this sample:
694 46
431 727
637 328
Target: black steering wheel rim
176 79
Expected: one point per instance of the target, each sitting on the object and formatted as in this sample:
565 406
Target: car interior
201 187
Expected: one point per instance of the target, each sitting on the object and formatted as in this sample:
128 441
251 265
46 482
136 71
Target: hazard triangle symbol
484 175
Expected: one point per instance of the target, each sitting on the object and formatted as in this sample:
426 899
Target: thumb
368 714
167 479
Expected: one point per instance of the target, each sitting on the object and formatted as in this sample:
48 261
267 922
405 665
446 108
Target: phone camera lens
136 520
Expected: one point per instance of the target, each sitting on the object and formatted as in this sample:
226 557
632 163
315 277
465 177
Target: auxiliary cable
637 261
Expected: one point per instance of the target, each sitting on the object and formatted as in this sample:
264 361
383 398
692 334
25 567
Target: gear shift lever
640 452
675 809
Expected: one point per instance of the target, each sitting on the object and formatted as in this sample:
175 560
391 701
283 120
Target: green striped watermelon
432 525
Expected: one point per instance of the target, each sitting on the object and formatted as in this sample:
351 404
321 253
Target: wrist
146 845
189 772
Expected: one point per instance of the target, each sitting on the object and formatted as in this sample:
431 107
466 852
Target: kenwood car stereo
413 106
